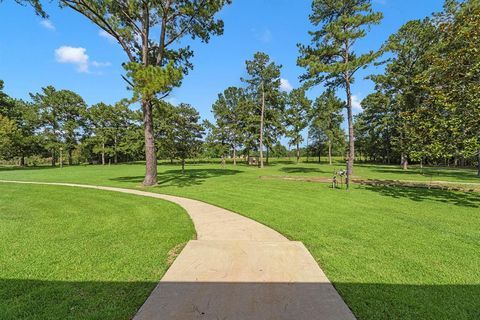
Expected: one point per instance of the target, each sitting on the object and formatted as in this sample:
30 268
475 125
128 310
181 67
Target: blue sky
36 53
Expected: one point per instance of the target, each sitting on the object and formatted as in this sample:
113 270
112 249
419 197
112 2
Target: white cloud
98 64
264 36
104 34
76 56
356 103
47 24
285 85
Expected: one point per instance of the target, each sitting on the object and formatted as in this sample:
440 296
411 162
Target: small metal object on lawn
341 174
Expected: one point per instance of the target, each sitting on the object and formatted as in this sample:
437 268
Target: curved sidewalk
236 269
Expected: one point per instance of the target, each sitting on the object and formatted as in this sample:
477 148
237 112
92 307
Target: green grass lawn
69 253
393 253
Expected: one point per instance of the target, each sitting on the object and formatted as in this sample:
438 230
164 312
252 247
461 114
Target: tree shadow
30 168
302 170
174 178
42 299
463 199
432 173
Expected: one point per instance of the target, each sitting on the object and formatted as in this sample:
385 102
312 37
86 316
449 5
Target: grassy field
392 252
70 253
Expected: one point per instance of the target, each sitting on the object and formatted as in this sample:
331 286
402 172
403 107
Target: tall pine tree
331 57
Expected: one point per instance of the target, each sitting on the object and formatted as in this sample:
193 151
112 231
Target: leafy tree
407 99
187 132
163 115
296 117
264 86
9 135
154 66
100 116
326 117
109 124
5 102
230 111
279 150
376 127
62 113
453 82
217 140
331 57
25 116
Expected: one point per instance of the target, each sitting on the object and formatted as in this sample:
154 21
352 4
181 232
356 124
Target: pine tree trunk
234 156
261 126
183 166
478 165
150 156
115 159
53 158
330 152
298 152
103 153
307 149
267 149
351 137
70 157
22 161
404 162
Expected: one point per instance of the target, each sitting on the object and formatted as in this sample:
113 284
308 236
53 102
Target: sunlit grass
393 253
68 253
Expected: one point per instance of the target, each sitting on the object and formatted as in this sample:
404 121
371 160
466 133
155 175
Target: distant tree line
58 125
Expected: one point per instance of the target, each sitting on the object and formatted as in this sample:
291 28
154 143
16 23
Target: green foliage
62 113
9 134
155 65
426 105
151 80
296 116
182 131
264 79
35 4
325 122
231 113
331 58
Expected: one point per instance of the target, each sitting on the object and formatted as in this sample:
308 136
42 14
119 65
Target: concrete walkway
236 269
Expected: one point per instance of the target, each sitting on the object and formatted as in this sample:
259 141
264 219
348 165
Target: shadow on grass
192 177
302 170
432 173
463 199
17 168
38 299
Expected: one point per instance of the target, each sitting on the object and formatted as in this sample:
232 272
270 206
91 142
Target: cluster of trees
58 125
254 117
426 105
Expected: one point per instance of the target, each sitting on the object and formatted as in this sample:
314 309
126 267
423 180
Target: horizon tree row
57 121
